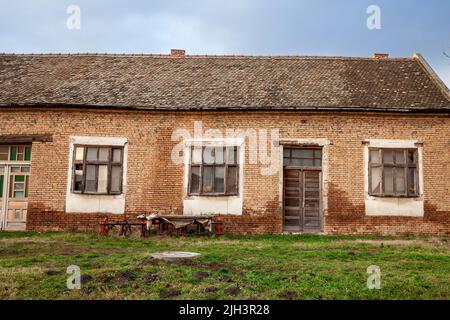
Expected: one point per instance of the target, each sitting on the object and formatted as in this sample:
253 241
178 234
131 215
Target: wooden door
302 196
15 197
2 199
293 205
311 201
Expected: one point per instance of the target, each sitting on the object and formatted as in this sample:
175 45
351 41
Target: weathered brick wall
156 184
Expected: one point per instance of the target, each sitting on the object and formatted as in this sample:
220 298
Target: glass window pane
219 155
411 156
399 157
375 156
117 155
286 161
302 153
296 162
103 154
318 153
19 194
4 150
376 180
195 179
116 178
232 156
307 162
26 186
102 179
286 152
388 181
197 155
25 169
13 154
219 179
232 181
15 169
20 153
90 178
19 178
317 162
1 185
19 186
78 182
388 156
79 154
412 189
400 180
208 157
207 179
91 154
27 153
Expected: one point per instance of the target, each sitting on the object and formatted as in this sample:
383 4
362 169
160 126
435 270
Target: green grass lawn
33 266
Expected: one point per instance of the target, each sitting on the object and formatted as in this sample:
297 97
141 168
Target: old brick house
269 144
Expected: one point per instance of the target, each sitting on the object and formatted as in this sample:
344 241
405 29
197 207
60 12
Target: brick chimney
380 56
177 52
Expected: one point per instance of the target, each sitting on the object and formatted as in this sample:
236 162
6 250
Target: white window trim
92 203
211 204
393 206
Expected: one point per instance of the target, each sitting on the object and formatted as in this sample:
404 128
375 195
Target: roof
164 82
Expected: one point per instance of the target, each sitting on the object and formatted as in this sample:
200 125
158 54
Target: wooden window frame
314 158
109 163
17 145
406 166
225 165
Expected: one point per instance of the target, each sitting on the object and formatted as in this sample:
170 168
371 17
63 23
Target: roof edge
194 56
445 110
433 75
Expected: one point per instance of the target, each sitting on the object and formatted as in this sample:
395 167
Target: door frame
302 169
6 185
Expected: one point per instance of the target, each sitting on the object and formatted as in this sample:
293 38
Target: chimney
380 56
177 52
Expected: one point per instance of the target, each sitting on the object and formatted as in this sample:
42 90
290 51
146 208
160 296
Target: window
393 172
18 185
15 153
97 169
2 175
302 157
214 171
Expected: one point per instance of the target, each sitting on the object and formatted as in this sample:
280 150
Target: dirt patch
288 295
150 278
123 277
232 290
150 261
52 272
199 276
85 278
105 278
169 293
211 289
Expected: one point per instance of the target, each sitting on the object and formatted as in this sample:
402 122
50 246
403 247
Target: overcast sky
256 27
